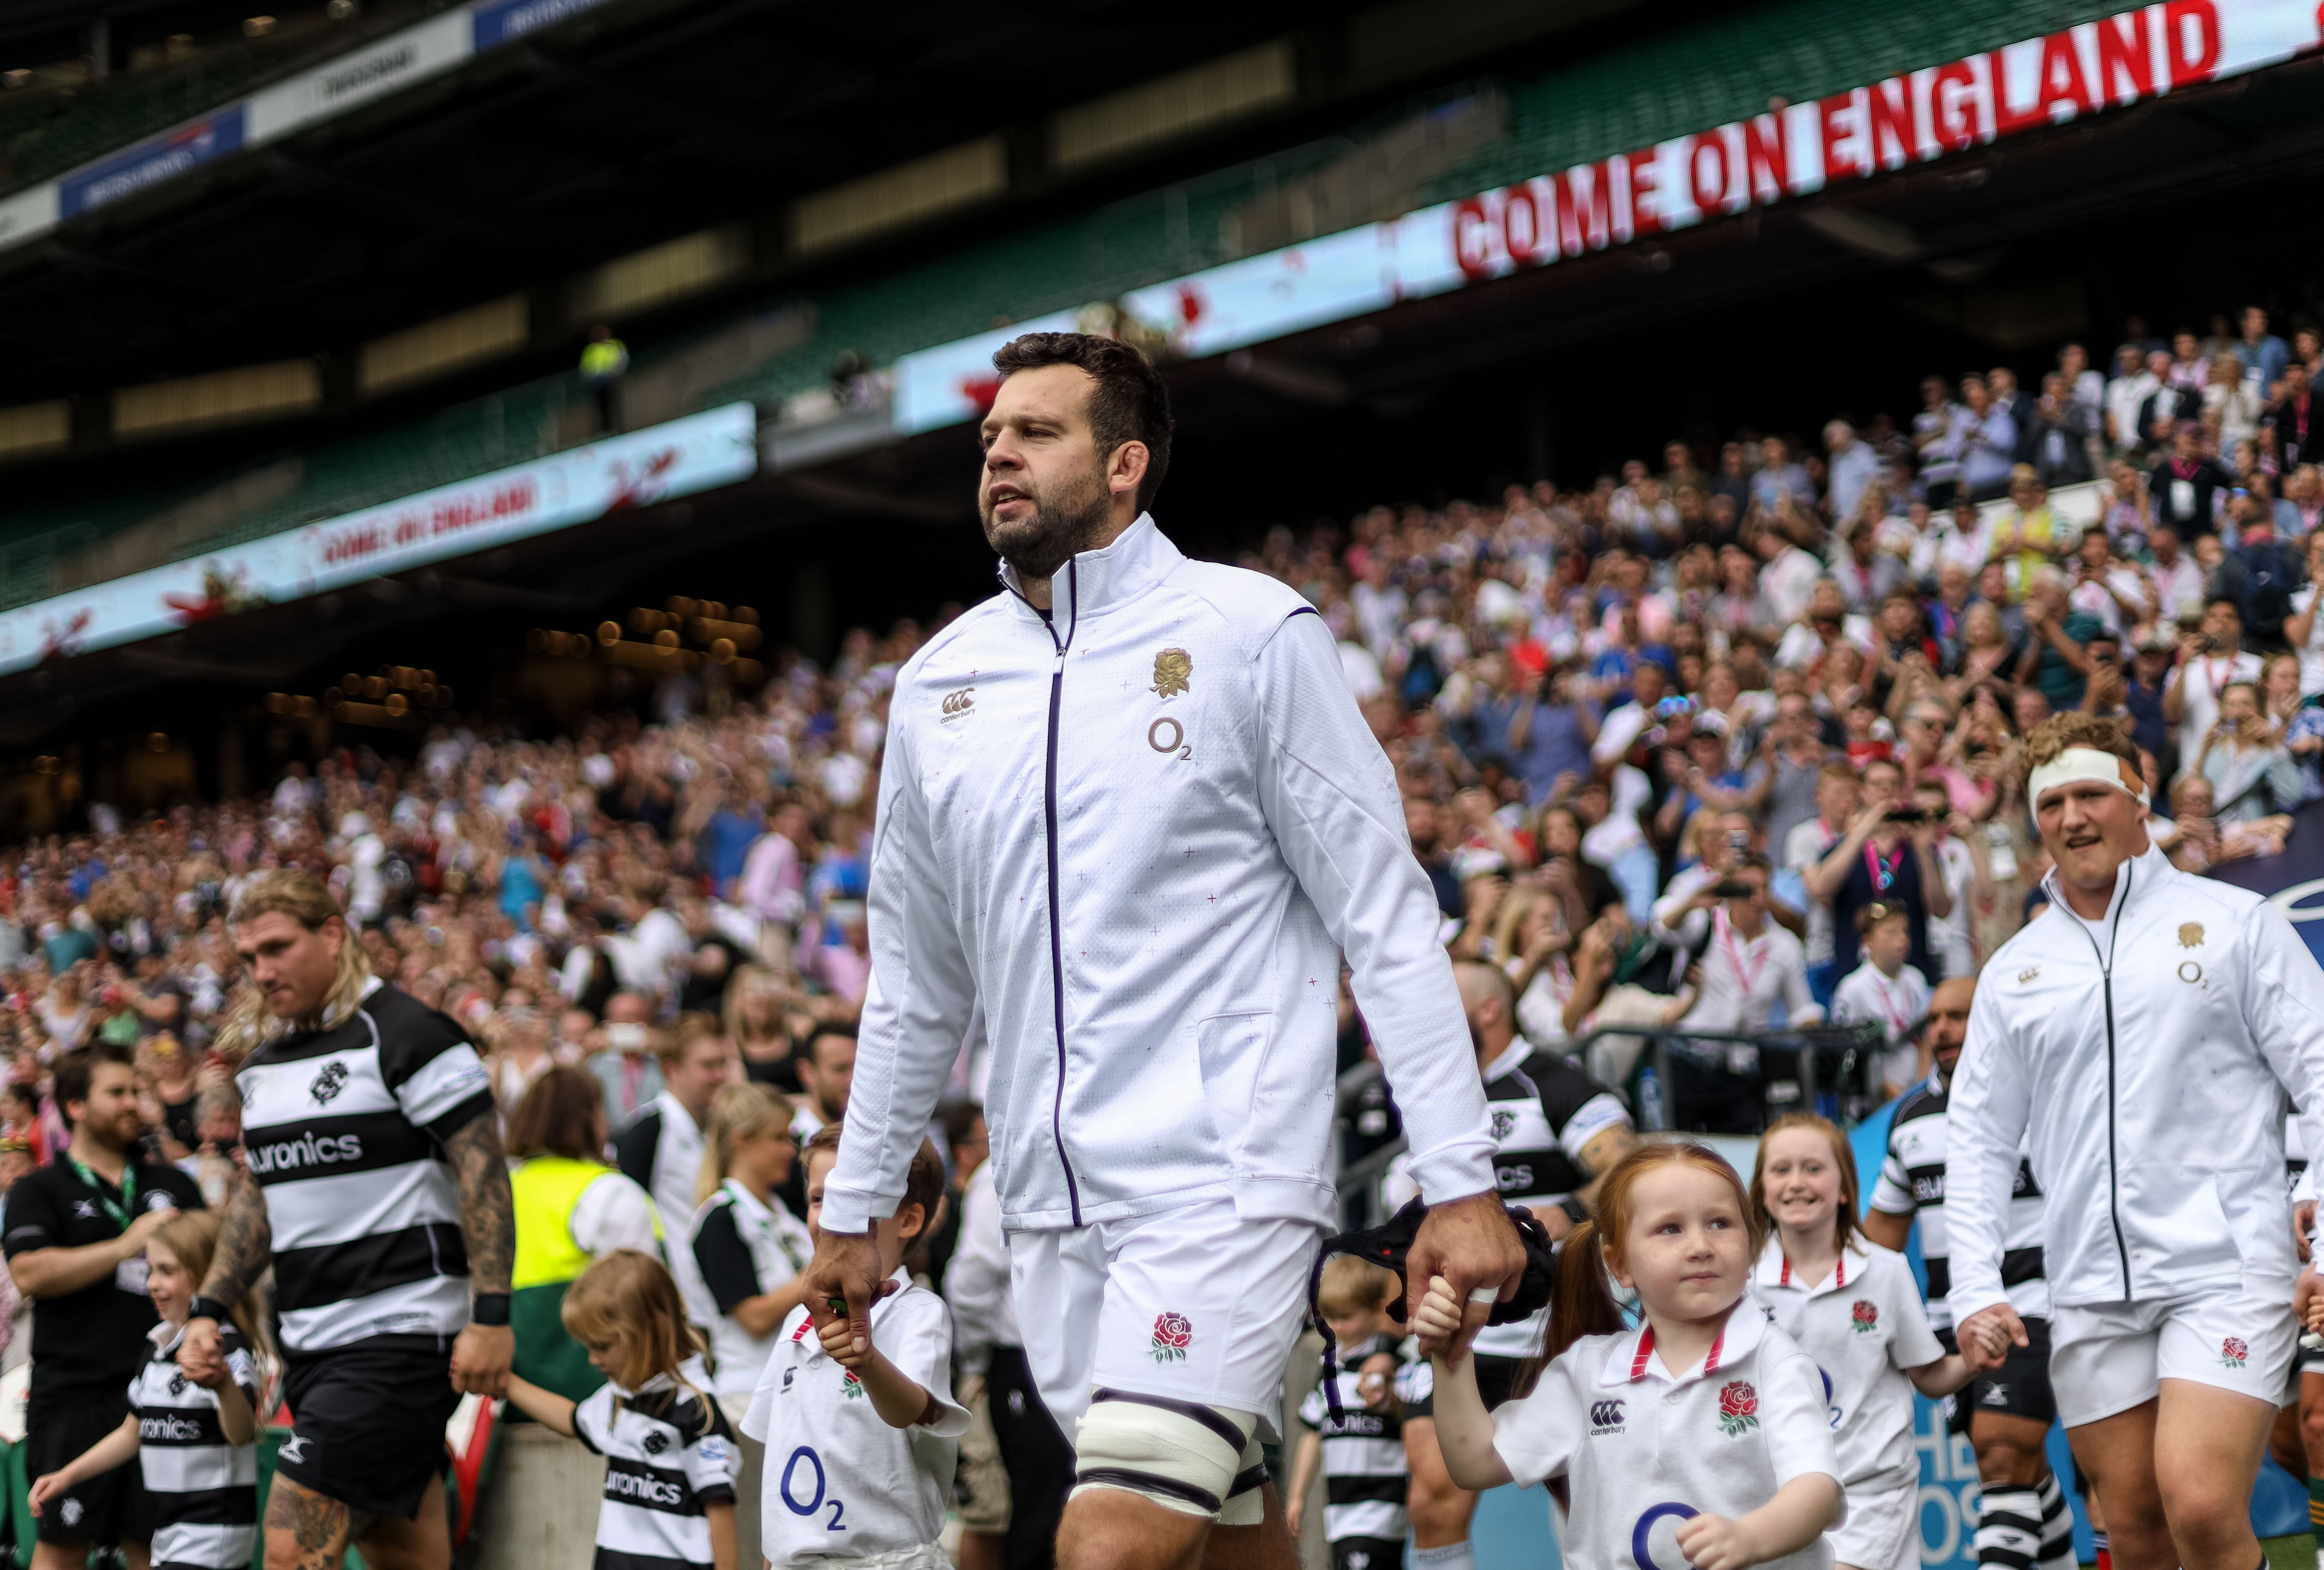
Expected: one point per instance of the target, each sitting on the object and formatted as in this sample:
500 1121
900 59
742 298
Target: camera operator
1887 855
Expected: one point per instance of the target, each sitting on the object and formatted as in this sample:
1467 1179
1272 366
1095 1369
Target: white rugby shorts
1883 1528
1194 1302
2107 1358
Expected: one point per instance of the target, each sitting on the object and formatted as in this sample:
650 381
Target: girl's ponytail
1581 1299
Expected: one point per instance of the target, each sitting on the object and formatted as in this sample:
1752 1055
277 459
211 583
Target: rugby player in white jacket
1130 807
2144 1034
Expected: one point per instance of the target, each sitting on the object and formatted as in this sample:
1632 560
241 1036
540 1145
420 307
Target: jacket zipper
1057 928
2106 973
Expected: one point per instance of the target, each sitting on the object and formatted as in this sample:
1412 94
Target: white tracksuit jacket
2151 1060
1142 831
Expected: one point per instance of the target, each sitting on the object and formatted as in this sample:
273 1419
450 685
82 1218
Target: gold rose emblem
2191 935
1172 667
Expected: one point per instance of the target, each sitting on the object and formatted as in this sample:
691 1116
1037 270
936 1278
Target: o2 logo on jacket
1639 1556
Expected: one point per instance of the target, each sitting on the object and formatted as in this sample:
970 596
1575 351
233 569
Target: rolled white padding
1246 1506
2085 764
1182 1456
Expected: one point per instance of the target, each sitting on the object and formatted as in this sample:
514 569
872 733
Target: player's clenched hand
1474 1246
846 1271
2308 1301
1437 1320
1715 1543
481 1355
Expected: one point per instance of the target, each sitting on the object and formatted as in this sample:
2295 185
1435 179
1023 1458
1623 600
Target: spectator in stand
623 1058
661 1150
2262 355
1887 855
2188 484
1852 466
2208 660
1751 965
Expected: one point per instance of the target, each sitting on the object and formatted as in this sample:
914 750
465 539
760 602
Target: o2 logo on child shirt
810 1505
1640 1555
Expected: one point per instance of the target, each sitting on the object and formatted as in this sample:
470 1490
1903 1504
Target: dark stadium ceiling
644 120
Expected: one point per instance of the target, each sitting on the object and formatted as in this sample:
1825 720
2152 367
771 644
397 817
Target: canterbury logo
1606 1414
959 702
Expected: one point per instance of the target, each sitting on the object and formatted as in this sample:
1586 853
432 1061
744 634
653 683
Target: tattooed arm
481 1356
244 1245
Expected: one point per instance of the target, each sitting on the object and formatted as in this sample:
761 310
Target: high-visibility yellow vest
545 1189
607 358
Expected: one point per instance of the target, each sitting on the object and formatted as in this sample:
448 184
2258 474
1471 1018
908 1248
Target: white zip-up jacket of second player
2151 1053
1142 828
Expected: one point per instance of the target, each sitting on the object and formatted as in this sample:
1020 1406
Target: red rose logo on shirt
1172 1332
1866 1317
2232 1352
1739 1408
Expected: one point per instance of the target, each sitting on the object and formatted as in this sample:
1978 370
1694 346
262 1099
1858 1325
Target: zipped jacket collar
1093 582
2138 875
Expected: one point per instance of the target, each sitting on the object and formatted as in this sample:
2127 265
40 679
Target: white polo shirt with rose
1864 1325
1644 1449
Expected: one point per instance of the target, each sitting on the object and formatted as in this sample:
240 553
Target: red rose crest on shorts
1864 1316
1739 1408
1172 1332
2232 1352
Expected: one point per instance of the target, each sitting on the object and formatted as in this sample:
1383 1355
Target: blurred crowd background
1724 742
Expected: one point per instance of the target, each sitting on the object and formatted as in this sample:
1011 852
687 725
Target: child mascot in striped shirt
1699 1439
670 1457
195 1442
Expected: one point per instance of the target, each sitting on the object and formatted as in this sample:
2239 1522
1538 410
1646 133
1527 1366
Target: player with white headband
2143 1037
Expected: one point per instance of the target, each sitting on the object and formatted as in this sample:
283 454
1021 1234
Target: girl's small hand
1438 1317
1715 1543
46 1487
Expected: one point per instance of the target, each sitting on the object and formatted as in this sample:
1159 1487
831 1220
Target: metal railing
1845 1093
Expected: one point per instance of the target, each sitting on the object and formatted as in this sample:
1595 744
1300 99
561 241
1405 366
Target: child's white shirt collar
1634 1357
1775 1270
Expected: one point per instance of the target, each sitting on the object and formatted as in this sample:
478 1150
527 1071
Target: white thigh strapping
1182 1457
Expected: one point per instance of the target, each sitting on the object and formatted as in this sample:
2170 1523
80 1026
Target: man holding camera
2210 660
1750 961
1889 854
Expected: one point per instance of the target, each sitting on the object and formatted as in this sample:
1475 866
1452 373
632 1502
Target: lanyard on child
1896 1022
1883 870
1839 1273
119 1213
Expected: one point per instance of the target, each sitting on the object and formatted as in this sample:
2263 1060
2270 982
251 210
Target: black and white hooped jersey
203 1491
668 1456
1913 1179
1365 1479
344 1131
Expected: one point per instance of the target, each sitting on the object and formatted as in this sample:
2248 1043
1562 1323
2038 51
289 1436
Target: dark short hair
1131 401
76 1070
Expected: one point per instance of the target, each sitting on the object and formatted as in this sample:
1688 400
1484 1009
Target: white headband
2081 764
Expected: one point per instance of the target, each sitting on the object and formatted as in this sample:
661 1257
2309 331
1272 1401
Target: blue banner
498 21
153 161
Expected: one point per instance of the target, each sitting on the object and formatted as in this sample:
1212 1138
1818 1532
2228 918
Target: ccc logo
1605 1414
959 702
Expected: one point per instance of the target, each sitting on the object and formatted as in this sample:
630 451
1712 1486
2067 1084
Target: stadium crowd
1726 742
